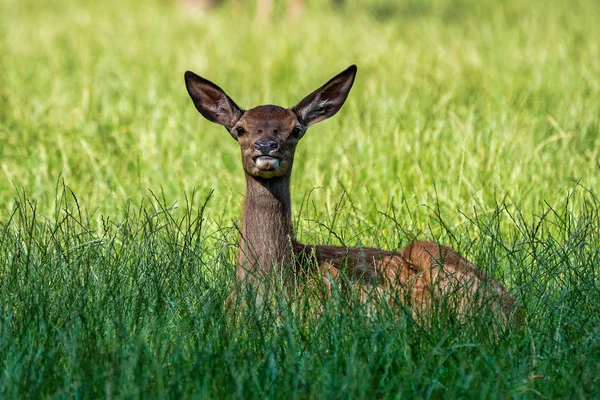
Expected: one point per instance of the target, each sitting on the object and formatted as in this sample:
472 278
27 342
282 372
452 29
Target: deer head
268 134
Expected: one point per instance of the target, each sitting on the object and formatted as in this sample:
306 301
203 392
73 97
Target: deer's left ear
327 100
212 101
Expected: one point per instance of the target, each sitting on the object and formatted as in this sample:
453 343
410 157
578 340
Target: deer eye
240 131
296 132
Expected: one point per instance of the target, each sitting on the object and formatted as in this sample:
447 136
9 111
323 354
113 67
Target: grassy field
471 123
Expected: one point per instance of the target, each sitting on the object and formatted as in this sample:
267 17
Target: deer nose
266 147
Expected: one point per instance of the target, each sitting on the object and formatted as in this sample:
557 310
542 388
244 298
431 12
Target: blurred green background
457 104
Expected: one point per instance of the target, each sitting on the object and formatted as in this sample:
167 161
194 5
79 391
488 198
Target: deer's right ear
326 100
211 101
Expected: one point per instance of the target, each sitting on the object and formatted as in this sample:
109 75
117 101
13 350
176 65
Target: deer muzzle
266 159
267 163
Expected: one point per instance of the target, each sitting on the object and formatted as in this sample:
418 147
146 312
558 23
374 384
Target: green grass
474 123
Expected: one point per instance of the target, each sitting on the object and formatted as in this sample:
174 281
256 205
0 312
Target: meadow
472 123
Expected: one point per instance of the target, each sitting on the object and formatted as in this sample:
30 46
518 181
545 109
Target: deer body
268 136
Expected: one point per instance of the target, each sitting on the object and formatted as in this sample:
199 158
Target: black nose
266 147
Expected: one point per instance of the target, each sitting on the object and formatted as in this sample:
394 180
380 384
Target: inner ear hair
326 101
212 101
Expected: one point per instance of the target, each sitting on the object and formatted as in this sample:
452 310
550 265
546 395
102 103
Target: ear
212 102
327 100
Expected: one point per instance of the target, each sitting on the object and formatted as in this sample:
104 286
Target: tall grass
474 123
141 307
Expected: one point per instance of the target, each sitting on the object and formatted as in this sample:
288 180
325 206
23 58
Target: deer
267 136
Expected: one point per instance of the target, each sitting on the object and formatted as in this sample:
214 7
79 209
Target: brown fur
422 274
266 228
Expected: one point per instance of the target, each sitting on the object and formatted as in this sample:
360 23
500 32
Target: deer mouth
266 163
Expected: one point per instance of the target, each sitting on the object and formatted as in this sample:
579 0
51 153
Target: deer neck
266 227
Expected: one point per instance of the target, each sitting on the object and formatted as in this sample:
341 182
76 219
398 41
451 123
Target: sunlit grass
470 101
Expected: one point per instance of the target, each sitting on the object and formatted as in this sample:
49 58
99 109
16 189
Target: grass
474 123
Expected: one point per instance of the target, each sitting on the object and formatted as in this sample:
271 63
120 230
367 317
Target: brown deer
267 136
